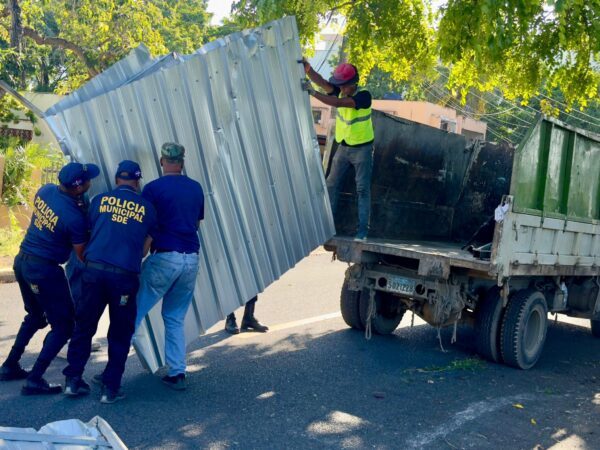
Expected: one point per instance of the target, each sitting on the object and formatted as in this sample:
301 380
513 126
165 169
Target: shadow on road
334 389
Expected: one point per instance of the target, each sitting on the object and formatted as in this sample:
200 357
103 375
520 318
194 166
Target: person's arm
201 212
147 244
344 102
79 249
316 78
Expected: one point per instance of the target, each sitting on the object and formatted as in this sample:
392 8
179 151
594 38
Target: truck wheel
524 329
388 314
488 320
595 328
350 307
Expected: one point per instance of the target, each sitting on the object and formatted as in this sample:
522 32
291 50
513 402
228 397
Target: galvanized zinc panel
238 108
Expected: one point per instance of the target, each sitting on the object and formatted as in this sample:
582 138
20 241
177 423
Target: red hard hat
344 74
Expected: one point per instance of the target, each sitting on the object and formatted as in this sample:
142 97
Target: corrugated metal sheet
238 108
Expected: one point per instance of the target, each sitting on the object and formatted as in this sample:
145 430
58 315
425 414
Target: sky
220 9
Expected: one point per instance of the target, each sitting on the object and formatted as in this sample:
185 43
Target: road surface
313 383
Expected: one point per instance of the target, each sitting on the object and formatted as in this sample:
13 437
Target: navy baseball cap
75 174
129 170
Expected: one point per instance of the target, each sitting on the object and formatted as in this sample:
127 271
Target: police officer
354 134
57 227
121 221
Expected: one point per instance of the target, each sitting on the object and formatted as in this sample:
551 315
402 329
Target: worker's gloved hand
306 64
308 87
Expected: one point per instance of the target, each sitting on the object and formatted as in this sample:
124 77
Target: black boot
40 386
251 323
10 372
231 324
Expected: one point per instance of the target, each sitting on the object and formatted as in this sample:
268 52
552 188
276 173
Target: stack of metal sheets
238 108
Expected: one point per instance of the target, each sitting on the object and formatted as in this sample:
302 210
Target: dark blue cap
75 174
129 170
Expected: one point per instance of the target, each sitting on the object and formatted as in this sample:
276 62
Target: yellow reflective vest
353 126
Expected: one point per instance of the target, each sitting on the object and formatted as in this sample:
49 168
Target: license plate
400 285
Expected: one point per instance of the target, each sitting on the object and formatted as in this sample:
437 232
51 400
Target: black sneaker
231 325
40 387
75 386
252 324
11 373
176 382
111 395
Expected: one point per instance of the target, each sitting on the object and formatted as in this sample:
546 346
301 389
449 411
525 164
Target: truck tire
350 307
595 327
488 321
524 329
387 315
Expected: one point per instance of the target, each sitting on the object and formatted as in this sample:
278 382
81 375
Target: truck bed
434 258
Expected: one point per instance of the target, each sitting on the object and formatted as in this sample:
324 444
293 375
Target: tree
394 35
56 45
522 47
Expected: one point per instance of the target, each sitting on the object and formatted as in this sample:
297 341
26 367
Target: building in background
328 44
24 128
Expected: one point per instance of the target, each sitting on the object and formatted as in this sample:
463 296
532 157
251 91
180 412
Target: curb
7 276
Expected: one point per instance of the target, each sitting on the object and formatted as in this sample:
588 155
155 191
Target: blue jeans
361 158
172 277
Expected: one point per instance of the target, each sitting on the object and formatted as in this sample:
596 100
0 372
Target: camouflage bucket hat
172 152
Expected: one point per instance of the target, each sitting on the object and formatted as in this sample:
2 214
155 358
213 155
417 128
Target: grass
466 364
10 239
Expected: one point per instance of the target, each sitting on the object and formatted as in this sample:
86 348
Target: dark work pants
361 158
47 300
99 289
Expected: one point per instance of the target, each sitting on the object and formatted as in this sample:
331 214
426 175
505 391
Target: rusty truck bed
435 258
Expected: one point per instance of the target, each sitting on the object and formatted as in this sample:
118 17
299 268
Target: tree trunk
16 30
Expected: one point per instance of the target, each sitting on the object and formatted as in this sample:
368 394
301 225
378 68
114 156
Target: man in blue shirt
170 271
121 221
57 227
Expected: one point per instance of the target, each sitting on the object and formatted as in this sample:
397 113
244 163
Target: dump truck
475 232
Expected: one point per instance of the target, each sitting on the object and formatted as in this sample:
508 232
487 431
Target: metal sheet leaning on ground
238 108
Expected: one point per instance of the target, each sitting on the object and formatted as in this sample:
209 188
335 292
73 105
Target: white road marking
472 412
295 323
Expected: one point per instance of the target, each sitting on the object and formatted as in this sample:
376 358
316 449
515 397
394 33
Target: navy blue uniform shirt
179 203
56 224
120 221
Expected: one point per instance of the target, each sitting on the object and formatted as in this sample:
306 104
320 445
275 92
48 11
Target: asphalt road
313 383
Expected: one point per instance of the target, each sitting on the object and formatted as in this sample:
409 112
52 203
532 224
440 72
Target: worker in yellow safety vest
353 133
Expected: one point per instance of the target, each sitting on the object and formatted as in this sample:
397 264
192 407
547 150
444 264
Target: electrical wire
331 46
537 112
578 112
466 113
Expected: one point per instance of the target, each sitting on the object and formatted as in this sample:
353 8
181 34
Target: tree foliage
62 43
393 35
522 47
